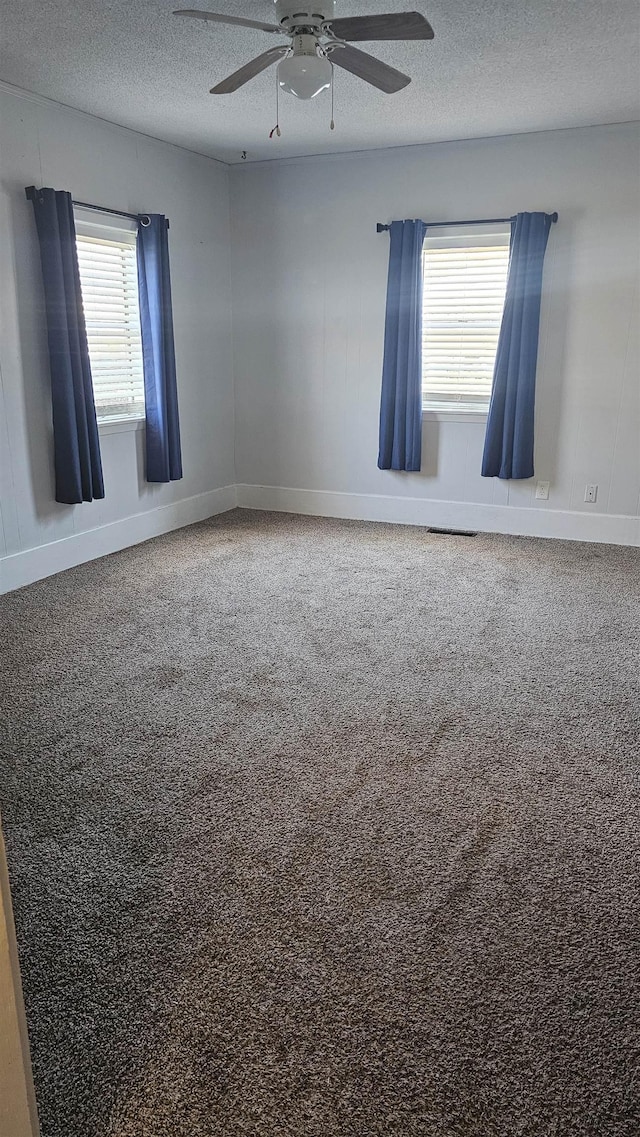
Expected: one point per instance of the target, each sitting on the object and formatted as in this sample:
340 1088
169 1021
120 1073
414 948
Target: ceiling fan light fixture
305 70
304 74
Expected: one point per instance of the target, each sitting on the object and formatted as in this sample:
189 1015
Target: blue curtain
508 446
401 399
76 446
164 459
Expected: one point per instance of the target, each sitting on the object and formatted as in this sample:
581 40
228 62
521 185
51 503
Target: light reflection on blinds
465 279
109 282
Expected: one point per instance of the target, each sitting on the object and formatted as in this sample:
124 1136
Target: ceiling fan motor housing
310 14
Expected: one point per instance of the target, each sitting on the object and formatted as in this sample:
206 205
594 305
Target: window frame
456 236
108 229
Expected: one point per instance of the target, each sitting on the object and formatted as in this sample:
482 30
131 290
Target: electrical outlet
542 490
591 493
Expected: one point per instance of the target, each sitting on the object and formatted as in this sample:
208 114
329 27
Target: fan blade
249 71
216 18
372 70
397 25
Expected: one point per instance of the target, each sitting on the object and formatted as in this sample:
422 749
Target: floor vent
452 532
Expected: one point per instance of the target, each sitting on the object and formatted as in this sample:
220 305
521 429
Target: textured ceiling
495 67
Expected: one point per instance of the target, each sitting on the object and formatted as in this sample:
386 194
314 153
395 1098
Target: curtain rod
31 191
380 228
114 212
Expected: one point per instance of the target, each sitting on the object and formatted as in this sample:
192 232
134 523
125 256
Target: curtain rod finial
380 228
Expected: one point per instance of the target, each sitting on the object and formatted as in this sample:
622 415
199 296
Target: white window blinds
465 276
109 282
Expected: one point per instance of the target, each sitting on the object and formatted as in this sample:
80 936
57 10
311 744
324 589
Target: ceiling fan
318 40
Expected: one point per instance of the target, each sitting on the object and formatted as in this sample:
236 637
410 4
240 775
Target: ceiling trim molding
295 160
44 101
372 152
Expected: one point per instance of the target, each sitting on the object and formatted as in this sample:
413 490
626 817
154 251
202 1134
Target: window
109 282
465 277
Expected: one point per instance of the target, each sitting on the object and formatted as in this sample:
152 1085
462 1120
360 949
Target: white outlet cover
542 490
591 493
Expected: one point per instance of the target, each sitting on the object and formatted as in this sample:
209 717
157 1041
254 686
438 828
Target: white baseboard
566 525
56 556
34 564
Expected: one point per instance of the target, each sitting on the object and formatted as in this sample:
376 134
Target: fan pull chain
276 129
332 124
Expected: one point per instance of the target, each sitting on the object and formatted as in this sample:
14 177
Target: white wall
43 143
309 280
309 295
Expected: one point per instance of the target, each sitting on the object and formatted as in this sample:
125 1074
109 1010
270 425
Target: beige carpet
328 829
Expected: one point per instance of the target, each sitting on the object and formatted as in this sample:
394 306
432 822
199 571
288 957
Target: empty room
320 569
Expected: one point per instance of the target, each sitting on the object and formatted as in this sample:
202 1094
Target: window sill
455 416
120 425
